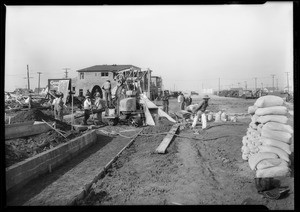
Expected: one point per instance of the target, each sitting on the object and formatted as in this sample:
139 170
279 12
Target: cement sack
203 120
281 153
275 110
191 108
277 135
269 101
224 116
279 144
278 127
245 156
271 162
254 118
252 109
210 117
218 116
274 118
245 140
245 149
259 128
253 125
276 171
256 158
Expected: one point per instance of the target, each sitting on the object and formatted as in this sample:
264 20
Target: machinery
126 106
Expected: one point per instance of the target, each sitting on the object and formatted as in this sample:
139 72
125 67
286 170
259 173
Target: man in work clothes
100 107
200 109
181 101
165 100
107 92
188 101
87 105
59 106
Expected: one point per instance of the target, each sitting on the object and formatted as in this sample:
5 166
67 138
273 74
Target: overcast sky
191 47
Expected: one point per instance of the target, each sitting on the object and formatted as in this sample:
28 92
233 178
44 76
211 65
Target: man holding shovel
200 110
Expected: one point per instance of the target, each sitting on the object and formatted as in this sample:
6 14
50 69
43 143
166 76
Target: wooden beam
167 140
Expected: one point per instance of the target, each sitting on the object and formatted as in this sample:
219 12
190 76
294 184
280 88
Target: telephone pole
277 84
219 87
28 82
273 81
255 82
39 73
262 85
245 85
287 80
66 72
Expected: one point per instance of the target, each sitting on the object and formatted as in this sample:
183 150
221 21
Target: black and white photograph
150 105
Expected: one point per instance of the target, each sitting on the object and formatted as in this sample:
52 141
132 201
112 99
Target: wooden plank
167 140
162 113
27 130
148 116
19 124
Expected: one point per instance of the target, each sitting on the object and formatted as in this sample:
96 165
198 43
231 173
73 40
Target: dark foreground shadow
35 186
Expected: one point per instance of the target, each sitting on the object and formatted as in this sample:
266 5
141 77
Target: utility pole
287 80
262 85
255 82
273 81
219 87
28 82
245 85
238 85
39 82
277 84
66 72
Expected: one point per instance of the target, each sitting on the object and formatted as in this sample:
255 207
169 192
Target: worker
199 110
88 93
100 107
97 93
54 107
181 101
188 101
165 99
107 92
87 105
60 106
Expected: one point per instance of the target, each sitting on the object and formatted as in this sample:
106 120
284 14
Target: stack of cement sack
267 143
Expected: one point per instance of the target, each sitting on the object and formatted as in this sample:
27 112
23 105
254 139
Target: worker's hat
97 94
206 97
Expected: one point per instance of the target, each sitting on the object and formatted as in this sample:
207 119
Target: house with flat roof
92 78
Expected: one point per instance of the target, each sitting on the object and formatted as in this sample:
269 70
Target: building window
80 92
104 74
81 76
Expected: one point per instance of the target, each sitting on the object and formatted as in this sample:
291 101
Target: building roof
107 68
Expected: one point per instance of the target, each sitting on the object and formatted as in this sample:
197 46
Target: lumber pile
266 146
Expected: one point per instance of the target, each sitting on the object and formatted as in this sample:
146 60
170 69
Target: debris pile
267 143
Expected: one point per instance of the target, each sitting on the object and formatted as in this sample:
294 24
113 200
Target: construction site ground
197 169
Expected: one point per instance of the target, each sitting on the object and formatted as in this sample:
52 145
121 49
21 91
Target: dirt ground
198 169
17 150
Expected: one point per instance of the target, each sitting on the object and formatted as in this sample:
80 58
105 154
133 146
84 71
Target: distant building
93 77
207 90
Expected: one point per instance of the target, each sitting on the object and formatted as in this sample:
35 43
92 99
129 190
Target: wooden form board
167 140
25 130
